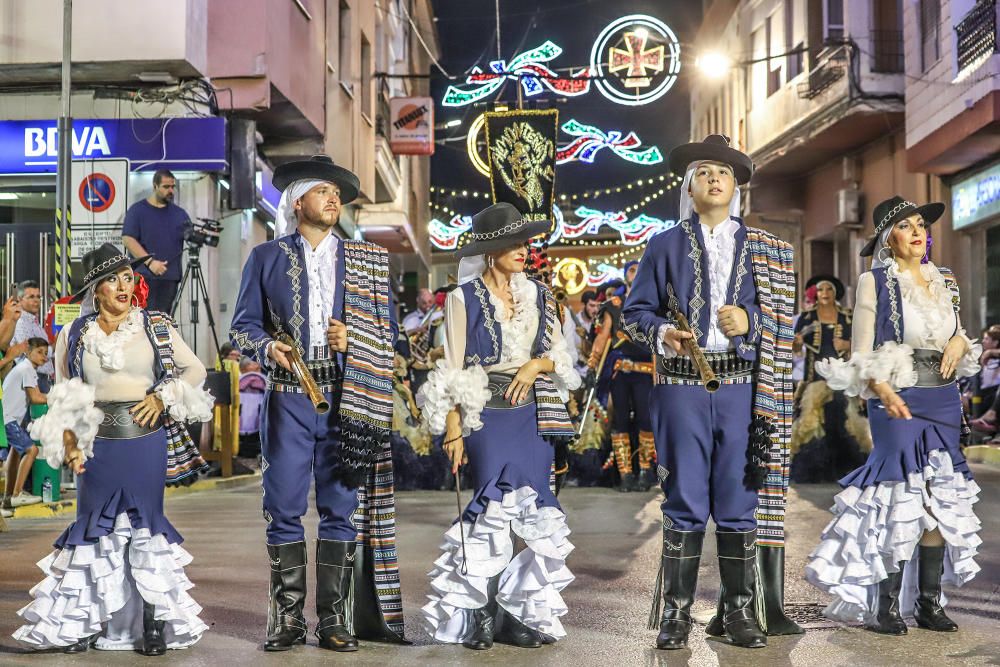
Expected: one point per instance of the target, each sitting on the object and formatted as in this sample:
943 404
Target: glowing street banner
522 152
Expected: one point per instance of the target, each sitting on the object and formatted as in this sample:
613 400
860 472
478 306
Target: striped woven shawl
366 395
774 278
554 423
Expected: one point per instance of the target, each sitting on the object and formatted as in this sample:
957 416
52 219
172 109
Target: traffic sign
97 192
100 199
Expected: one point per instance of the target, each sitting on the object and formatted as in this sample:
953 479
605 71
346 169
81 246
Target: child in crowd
20 389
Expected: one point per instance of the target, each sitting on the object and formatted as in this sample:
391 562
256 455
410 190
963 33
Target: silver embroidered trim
479 289
894 314
294 274
696 302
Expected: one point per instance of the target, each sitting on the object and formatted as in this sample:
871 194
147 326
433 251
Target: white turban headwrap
687 205
285 221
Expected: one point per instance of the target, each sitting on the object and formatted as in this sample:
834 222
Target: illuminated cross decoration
636 59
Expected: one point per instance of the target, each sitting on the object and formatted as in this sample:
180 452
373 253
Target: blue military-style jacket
274 297
674 269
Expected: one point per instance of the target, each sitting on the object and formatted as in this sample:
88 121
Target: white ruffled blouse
929 322
118 367
450 385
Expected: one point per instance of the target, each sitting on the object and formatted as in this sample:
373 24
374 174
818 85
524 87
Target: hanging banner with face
522 151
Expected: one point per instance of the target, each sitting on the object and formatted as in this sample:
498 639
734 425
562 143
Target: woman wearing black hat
909 507
125 378
499 396
829 435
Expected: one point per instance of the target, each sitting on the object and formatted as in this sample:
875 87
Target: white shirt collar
727 227
325 246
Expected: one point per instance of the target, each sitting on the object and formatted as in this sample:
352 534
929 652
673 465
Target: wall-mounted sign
411 125
976 198
99 195
192 144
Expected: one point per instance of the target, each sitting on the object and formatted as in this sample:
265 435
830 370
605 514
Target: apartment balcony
846 99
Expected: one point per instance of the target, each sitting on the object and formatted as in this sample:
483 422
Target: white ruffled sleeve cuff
565 376
447 388
892 363
71 408
662 349
968 365
185 403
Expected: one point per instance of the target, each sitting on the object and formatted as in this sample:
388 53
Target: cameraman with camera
155 226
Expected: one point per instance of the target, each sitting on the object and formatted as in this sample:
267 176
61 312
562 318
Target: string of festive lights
666 181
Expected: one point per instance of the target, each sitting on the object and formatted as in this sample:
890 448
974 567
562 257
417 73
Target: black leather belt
118 423
498 383
726 365
326 372
927 363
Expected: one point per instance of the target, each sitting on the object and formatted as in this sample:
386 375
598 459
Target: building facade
816 96
953 135
220 92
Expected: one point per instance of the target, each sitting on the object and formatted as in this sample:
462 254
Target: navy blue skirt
124 476
902 446
507 454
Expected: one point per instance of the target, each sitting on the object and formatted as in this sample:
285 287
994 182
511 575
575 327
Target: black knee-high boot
678 578
887 620
334 574
480 634
928 612
737 558
286 626
153 641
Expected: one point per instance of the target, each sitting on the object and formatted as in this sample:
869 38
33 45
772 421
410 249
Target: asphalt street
617 538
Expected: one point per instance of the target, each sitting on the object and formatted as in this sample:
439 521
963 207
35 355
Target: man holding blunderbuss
718 448
332 298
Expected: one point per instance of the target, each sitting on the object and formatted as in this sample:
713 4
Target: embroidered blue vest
483 337
889 304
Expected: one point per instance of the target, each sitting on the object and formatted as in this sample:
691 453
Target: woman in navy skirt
499 396
904 522
126 381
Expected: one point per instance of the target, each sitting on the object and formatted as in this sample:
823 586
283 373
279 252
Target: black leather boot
334 573
480 635
286 626
153 641
628 483
512 631
928 612
887 620
679 576
771 567
737 557
80 646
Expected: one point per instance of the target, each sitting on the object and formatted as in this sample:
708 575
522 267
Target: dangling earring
135 299
97 306
882 258
489 261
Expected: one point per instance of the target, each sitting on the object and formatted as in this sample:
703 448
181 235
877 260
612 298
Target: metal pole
65 161
43 273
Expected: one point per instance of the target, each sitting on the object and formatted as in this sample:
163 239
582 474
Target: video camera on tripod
203 232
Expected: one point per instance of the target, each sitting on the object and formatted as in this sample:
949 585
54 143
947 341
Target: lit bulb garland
665 181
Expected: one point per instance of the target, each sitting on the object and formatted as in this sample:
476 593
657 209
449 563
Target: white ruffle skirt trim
876 528
101 587
530 583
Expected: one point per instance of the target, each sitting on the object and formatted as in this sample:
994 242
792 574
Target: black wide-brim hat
500 226
715 148
838 287
103 262
894 209
321 168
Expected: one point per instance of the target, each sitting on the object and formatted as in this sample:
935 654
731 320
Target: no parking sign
100 189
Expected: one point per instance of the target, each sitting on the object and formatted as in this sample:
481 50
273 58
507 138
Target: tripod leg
180 291
200 280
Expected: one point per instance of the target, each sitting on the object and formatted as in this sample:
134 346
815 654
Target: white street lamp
713 64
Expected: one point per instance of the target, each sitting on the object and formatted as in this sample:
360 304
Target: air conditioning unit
849 206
